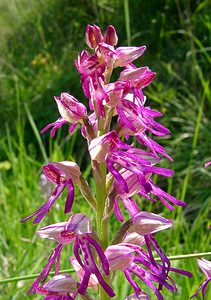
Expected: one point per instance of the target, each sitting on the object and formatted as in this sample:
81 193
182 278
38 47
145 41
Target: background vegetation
39 41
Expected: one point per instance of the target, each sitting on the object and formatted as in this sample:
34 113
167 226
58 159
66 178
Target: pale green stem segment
101 195
175 257
102 224
101 191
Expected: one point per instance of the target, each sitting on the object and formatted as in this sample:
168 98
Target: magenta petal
90 263
154 147
132 282
84 283
159 130
182 272
117 210
110 36
161 195
204 288
93 36
117 176
101 254
146 277
46 270
168 205
130 205
98 94
72 128
42 211
124 119
76 250
160 171
164 259
126 55
70 197
104 284
57 124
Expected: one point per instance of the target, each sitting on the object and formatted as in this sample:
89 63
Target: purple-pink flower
207 164
59 287
130 257
120 116
77 230
71 111
205 266
62 174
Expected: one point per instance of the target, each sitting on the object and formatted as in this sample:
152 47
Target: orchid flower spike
120 172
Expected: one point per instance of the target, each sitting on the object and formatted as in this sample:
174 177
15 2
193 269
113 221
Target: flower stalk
116 113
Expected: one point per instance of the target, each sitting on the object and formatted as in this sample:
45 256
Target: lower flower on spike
77 230
62 174
59 287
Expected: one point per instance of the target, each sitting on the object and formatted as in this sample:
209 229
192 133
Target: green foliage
39 42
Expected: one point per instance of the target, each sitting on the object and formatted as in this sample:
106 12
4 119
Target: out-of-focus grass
40 40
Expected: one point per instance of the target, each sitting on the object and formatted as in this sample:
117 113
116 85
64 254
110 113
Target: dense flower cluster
120 170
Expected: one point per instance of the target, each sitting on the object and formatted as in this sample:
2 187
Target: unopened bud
110 36
70 108
145 223
93 36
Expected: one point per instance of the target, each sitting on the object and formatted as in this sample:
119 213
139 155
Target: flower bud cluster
120 172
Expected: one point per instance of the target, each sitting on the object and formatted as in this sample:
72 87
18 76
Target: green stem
102 225
101 195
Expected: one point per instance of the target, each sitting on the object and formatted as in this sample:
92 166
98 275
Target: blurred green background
40 40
